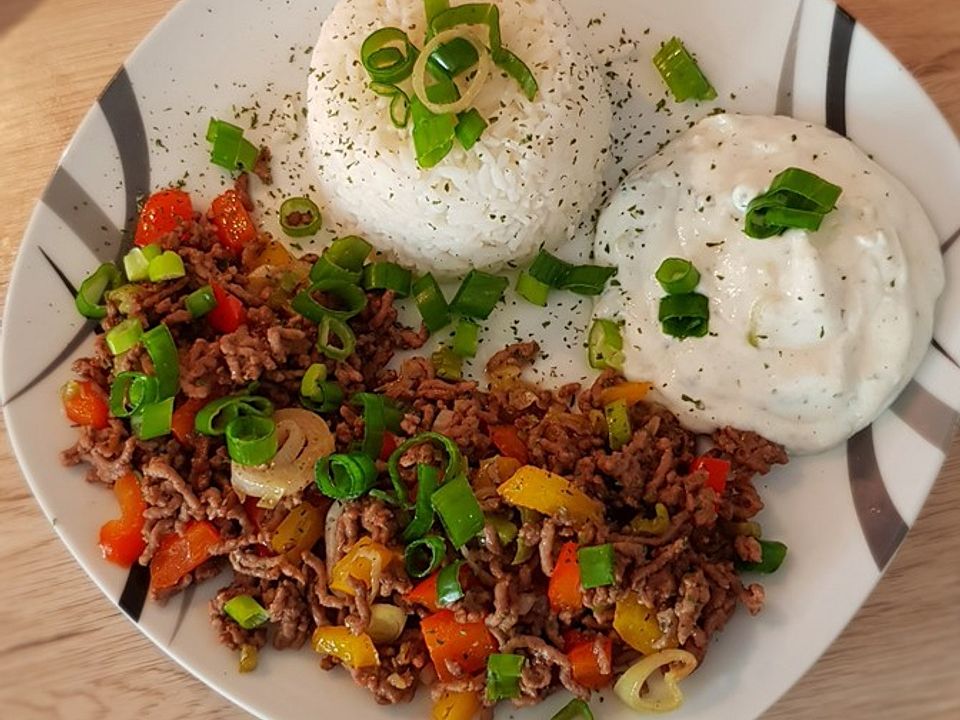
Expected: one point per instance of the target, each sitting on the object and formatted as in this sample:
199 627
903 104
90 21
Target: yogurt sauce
812 335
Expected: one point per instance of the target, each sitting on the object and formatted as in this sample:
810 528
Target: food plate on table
699 248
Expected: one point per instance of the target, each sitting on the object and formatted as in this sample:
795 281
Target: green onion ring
130 392
92 289
201 301
459 511
345 476
216 415
449 589
549 269
124 335
381 64
470 126
374 421
387 276
683 316
619 430
605 345
453 467
431 303
246 612
166 360
310 382
486 14
677 276
327 398
422 557
474 85
331 326
351 297
465 338
518 70
300 208
478 294
587 279
428 480
532 290
576 709
252 440
681 73
153 420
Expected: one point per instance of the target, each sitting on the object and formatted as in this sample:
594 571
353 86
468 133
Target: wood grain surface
65 652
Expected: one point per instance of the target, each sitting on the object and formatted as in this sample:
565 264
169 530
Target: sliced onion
662 691
473 88
303 439
386 623
330 534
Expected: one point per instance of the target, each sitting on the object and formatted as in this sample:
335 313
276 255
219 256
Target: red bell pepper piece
85 404
563 591
229 313
183 419
507 441
425 593
580 650
390 443
234 226
717 471
179 554
162 213
468 645
122 540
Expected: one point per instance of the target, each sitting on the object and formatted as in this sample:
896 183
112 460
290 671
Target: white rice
528 180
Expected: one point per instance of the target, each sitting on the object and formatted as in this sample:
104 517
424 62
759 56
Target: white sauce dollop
812 335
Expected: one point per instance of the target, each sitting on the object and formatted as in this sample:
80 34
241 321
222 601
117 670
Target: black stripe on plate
939 348
837 61
134 594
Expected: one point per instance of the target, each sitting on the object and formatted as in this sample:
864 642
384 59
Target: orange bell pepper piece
179 554
584 662
354 651
364 562
550 494
717 470
234 226
455 706
563 590
183 419
162 213
122 540
507 441
468 645
425 593
85 404
629 392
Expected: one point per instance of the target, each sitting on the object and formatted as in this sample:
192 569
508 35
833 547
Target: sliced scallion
449 589
465 338
333 328
470 126
350 300
387 276
383 60
428 480
201 301
246 612
154 419
478 295
124 335
229 148
459 510
683 316
168 266
165 358
345 476
596 566
677 276
451 470
130 392
135 265
90 295
532 290
503 676
300 217
431 303
252 440
681 73
587 279
349 252
605 345
619 431
422 557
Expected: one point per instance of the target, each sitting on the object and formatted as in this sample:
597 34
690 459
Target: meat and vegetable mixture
491 540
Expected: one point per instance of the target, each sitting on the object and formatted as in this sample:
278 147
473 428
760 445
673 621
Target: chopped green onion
470 126
524 551
549 269
214 417
503 676
90 296
399 109
596 566
432 8
428 480
230 149
587 279
324 269
478 295
795 199
431 303
505 529
300 217
152 251
576 709
532 290
374 421
349 252
130 392
452 469
248 658
351 300
135 265
470 14
252 440
166 360
681 73
677 276
446 363
331 326
168 266
819 194
605 345
518 70
449 589
465 338
772 558
433 135
454 57
124 335
383 61
619 431
154 420
345 477
327 398
785 217
310 382
683 316
422 557
247 612
459 510
201 301
387 276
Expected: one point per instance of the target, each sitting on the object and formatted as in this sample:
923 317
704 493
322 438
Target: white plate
843 513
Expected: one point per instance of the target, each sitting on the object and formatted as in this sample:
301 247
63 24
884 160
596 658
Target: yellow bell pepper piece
355 651
637 624
273 254
550 494
631 392
455 706
365 561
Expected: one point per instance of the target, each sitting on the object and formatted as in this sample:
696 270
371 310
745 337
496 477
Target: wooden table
65 652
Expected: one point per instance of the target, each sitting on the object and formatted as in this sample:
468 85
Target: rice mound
534 172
